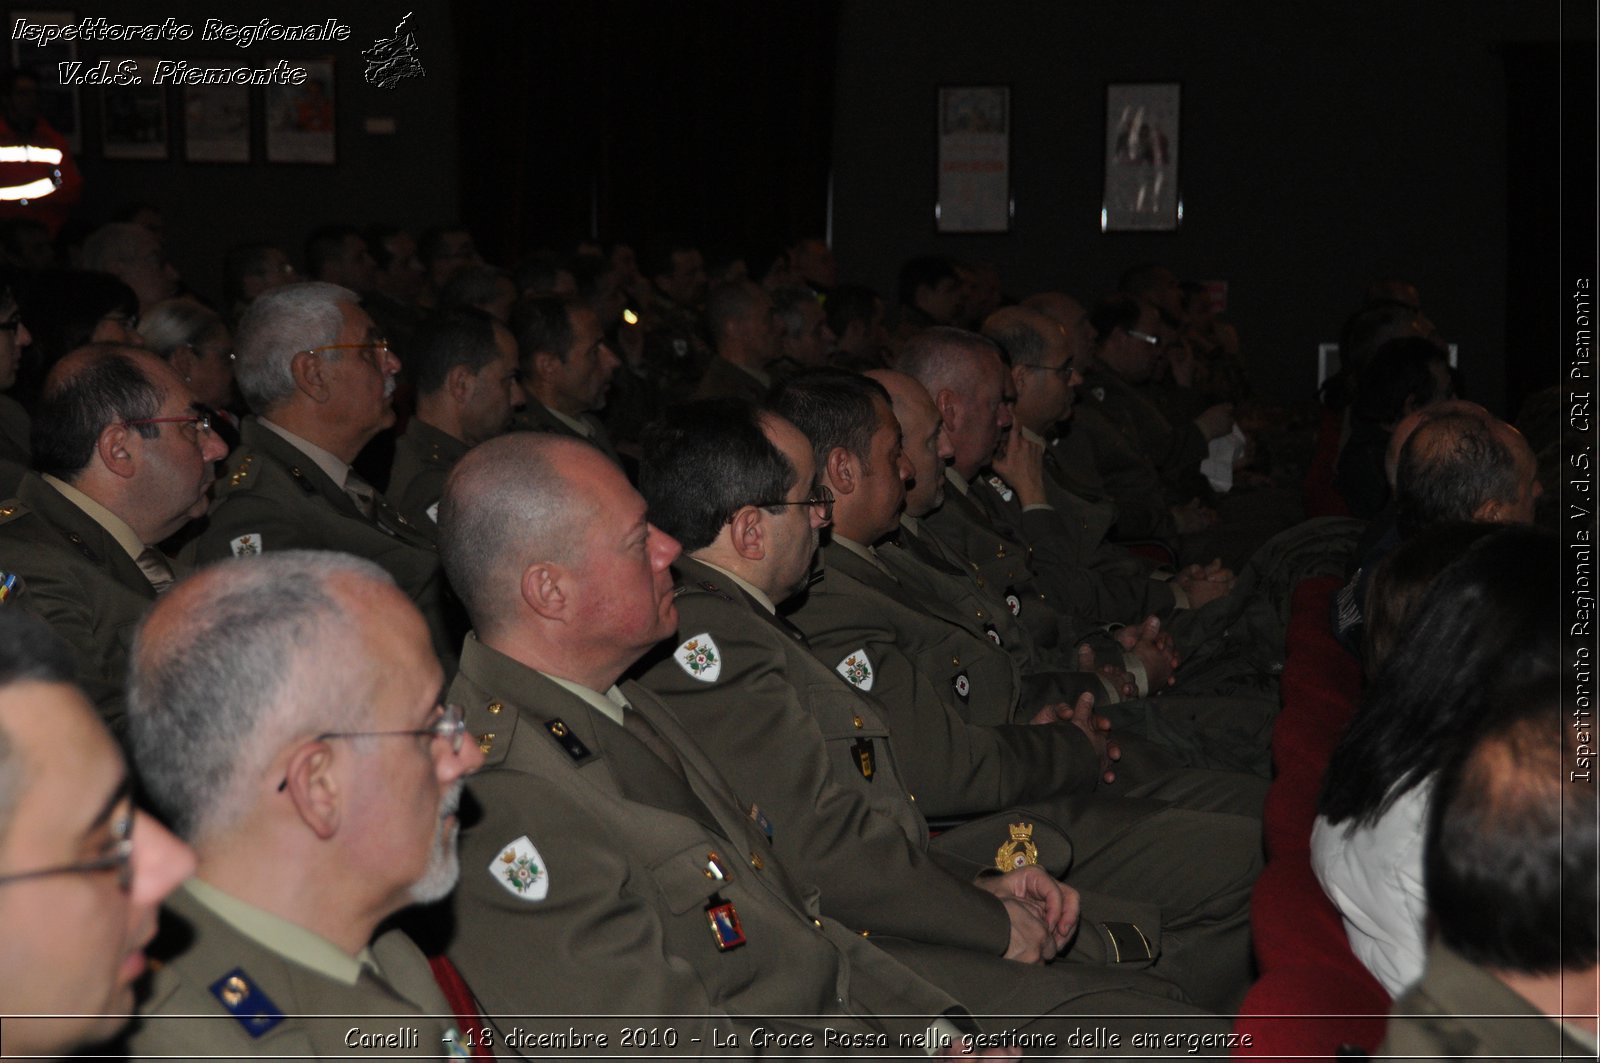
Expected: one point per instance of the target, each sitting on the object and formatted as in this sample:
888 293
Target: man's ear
458 384
311 785
310 379
543 365
113 447
949 407
843 474
748 533
544 589
183 360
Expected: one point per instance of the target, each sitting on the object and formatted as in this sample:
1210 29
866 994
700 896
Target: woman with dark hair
1490 619
66 308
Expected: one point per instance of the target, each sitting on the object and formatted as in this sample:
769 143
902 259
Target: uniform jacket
270 496
624 864
814 752
950 699
1176 450
723 379
204 963
423 458
15 453
1126 474
80 581
535 417
1458 1011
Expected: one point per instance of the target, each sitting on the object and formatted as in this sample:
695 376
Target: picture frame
974 160
133 118
1141 191
59 104
302 120
216 123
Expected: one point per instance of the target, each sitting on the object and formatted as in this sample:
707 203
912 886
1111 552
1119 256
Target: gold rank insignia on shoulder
253 1009
1019 851
567 740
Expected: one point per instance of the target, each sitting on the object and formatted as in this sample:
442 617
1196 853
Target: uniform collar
955 480
334 469
761 597
289 940
866 553
611 704
114 525
577 424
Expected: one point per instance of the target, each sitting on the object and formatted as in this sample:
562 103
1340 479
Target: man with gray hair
82 870
609 840
285 716
318 378
122 459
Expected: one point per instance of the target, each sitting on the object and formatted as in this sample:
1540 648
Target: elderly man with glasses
285 716
82 871
122 460
319 381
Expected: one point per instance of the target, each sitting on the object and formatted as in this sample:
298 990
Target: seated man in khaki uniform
122 462
284 714
814 751
607 839
567 368
319 380
464 367
82 871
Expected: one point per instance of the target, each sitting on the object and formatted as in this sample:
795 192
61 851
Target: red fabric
1322 498
1313 996
469 1023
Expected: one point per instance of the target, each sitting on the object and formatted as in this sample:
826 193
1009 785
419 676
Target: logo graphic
520 869
699 658
856 669
392 58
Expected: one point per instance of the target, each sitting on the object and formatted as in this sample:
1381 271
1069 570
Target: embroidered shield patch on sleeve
856 669
700 657
246 545
520 870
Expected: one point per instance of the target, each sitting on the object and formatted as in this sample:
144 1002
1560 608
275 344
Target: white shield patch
520 869
246 545
433 513
856 669
700 657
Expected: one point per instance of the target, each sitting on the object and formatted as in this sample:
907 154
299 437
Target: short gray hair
174 323
505 506
231 666
280 324
942 356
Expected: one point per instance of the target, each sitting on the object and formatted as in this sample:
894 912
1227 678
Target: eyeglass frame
201 421
375 345
1064 371
12 323
826 502
451 724
1144 337
120 860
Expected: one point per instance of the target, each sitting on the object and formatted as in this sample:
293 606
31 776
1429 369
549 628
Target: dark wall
1324 144
408 177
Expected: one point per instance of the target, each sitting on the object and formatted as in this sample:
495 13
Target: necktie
156 569
363 494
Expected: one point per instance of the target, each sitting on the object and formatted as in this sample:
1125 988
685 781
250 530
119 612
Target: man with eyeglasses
319 381
82 871
122 460
976 911
285 716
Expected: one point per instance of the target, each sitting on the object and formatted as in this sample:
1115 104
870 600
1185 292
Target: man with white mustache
319 379
285 716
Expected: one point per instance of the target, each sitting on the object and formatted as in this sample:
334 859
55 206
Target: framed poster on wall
1141 186
133 118
58 103
974 191
216 123
301 118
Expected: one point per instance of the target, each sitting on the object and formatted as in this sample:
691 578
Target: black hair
1399 370
445 340
1492 613
543 324
1449 467
326 244
72 412
1510 862
702 462
834 408
924 271
1112 312
62 308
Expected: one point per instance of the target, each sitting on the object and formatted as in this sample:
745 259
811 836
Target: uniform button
956 661
865 933
857 721
817 923
980 578
494 708
911 795
980 614
755 862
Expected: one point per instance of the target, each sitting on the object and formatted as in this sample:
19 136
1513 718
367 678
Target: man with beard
285 717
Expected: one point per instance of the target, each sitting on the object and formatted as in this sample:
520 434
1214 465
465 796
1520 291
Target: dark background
1323 144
